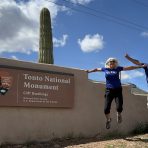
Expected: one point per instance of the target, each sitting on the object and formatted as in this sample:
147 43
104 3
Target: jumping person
137 62
113 87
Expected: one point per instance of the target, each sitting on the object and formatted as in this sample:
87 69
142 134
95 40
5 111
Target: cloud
14 57
83 2
19 24
91 43
60 42
131 75
144 34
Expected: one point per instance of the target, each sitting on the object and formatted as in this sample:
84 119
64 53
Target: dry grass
139 141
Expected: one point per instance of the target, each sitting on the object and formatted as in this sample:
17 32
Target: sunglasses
112 61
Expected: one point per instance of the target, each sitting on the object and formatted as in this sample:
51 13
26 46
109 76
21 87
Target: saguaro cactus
45 42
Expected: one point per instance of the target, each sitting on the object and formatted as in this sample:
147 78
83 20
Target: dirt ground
138 141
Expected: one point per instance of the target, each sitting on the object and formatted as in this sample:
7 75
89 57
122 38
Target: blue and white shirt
112 77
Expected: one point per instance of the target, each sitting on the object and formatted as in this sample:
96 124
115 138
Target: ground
138 141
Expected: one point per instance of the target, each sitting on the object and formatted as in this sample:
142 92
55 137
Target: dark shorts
111 94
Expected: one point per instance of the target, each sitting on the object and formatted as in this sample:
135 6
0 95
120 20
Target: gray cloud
12 20
19 24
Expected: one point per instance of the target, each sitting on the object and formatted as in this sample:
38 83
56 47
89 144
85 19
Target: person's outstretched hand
143 66
126 55
86 71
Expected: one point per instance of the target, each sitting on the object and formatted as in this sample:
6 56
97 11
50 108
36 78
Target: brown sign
34 88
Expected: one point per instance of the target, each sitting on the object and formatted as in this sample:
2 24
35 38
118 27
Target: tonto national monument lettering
45 79
36 88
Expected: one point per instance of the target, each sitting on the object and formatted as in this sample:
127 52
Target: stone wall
86 118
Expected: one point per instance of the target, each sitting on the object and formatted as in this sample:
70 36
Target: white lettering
33 78
56 80
38 86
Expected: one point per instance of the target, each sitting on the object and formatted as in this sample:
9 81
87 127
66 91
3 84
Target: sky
85 33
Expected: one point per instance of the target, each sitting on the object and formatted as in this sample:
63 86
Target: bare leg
108 122
108 117
119 117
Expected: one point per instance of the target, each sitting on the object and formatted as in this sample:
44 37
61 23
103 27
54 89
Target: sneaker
119 118
108 124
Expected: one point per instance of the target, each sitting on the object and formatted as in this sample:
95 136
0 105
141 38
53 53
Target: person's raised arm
94 70
134 61
132 67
